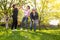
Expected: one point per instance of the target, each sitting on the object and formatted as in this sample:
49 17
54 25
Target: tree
5 6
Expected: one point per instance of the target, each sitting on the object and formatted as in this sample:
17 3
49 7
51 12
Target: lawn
8 34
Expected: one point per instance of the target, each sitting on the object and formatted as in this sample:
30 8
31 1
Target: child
26 15
34 18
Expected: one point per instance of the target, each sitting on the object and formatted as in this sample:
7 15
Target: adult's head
14 6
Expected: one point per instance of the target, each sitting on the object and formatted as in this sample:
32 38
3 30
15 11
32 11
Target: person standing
14 16
34 19
25 18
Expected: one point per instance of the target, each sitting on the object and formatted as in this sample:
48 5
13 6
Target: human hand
32 20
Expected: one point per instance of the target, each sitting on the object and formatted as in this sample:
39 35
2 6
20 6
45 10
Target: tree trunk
6 24
6 21
35 3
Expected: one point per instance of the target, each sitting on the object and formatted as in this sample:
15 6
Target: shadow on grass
17 35
44 36
22 35
12 36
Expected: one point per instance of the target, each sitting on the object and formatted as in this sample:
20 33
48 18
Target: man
25 18
14 16
34 18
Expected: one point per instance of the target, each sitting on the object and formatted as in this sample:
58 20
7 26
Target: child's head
28 7
34 10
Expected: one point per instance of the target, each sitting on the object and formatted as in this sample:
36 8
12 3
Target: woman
25 18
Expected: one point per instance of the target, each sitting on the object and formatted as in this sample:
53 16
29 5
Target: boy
34 18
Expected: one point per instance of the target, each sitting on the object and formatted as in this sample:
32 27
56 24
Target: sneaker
14 30
26 30
21 29
34 30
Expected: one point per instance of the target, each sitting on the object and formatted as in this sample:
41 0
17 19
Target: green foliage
29 35
46 10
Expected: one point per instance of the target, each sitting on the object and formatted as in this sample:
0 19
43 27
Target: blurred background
48 10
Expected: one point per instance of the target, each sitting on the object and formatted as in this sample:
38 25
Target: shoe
34 30
14 30
21 29
26 30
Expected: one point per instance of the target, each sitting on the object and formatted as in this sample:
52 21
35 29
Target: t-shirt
26 13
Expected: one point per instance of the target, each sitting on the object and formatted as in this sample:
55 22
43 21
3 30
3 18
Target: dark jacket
15 13
34 17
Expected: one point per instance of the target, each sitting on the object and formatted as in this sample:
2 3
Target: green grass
7 34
